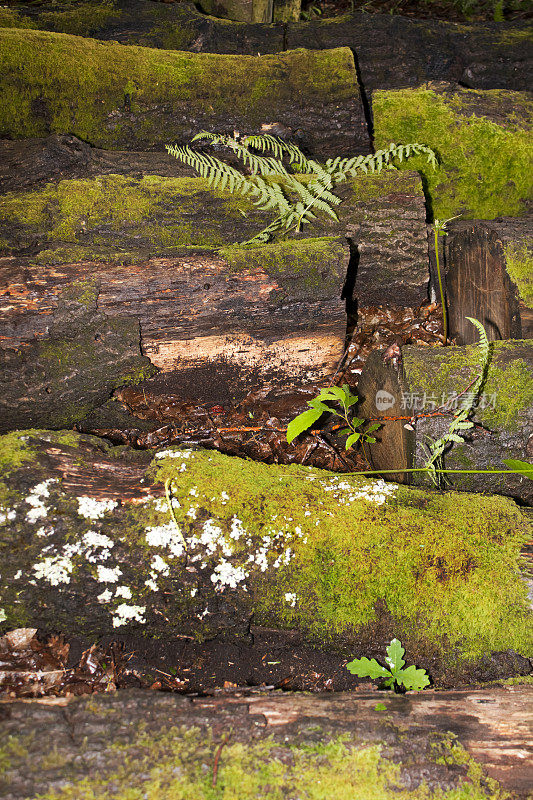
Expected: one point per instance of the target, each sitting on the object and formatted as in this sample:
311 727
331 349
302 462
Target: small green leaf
413 678
380 707
301 423
369 439
367 668
395 653
351 440
520 467
373 427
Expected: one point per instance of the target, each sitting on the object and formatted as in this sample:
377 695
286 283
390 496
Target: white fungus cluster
125 613
7 516
54 569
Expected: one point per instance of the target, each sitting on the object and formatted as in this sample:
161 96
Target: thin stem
442 300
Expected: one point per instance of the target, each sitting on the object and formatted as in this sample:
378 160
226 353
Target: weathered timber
392 51
430 744
483 139
490 277
248 324
72 364
424 380
126 217
30 163
88 548
122 97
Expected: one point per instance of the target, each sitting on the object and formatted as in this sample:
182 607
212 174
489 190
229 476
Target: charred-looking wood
490 277
415 396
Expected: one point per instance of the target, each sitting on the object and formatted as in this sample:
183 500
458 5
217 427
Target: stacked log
391 51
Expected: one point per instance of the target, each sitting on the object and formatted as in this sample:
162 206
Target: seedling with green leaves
296 192
319 405
396 677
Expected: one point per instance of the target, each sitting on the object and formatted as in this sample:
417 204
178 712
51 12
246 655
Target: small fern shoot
272 187
461 422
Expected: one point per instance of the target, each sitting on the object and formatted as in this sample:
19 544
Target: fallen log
423 387
489 277
116 96
483 141
88 547
391 51
457 742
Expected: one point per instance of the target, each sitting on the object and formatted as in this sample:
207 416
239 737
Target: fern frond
266 142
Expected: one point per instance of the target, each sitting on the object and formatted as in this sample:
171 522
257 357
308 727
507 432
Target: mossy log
424 380
88 547
116 96
392 51
490 277
446 745
483 139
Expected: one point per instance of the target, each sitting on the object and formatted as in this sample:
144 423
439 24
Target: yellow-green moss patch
485 158
519 263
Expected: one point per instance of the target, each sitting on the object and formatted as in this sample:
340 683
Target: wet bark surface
418 733
424 389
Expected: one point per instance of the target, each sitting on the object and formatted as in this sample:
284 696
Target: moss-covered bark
483 141
140 745
339 557
117 96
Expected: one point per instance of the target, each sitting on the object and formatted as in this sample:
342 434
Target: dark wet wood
495 437
477 281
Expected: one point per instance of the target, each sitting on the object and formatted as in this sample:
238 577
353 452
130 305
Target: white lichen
54 570
108 574
125 613
90 508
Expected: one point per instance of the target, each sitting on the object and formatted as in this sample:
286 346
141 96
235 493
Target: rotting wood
421 387
121 97
481 257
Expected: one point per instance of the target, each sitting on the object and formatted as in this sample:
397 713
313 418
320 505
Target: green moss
14 451
316 264
456 561
172 764
508 389
485 165
116 218
519 263
61 83
83 20
11 19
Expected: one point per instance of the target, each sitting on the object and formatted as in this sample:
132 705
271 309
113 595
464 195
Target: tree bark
423 380
424 736
489 278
